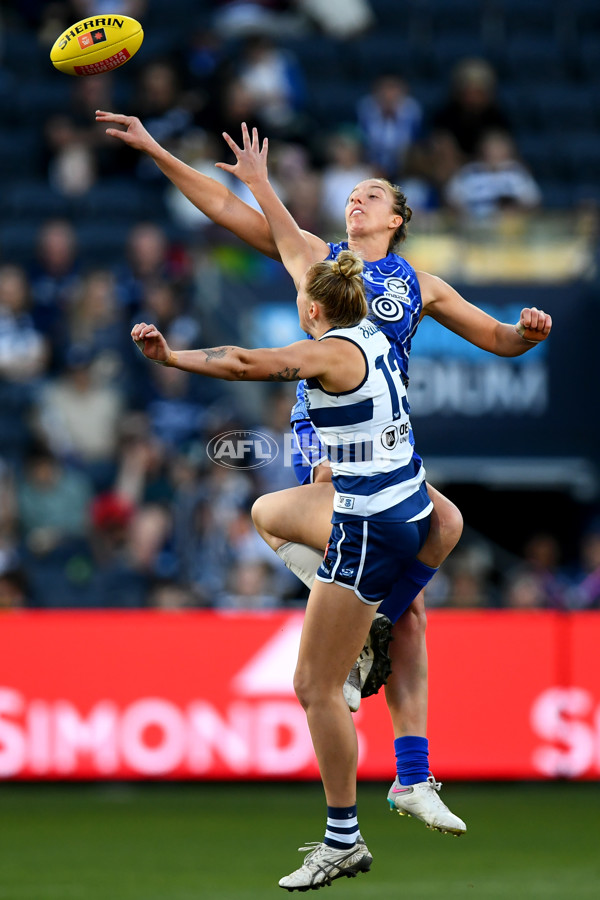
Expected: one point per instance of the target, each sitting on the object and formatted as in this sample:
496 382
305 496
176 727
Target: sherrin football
98 44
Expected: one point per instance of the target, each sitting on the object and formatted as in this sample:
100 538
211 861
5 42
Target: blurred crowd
107 495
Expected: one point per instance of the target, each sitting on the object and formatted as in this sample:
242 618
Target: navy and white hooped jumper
381 505
394 299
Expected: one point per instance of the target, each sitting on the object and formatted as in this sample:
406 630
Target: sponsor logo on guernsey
389 306
344 502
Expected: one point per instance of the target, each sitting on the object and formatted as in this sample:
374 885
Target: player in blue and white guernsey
357 401
377 215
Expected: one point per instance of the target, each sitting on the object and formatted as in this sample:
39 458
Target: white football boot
323 864
422 801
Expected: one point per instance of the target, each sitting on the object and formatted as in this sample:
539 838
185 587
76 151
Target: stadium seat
565 107
37 100
33 198
533 60
19 153
102 242
120 198
545 156
22 54
588 55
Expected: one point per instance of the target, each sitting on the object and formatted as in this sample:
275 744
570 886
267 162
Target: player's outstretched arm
211 197
444 304
297 249
303 359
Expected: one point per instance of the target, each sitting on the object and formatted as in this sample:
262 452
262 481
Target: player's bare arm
297 249
336 364
444 304
211 197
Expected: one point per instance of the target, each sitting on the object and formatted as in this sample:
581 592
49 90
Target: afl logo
389 306
242 450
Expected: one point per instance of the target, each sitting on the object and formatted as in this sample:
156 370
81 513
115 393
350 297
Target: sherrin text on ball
97 44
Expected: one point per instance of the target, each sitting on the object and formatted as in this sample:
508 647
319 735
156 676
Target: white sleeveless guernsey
368 435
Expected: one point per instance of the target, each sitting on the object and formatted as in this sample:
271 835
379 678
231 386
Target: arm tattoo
215 352
286 374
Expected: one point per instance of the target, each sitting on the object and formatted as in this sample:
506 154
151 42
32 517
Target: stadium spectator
472 108
96 321
118 580
275 85
151 258
586 591
390 121
23 350
54 273
52 500
496 182
344 170
159 93
538 580
79 414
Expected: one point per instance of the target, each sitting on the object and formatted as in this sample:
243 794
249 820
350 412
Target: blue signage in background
469 403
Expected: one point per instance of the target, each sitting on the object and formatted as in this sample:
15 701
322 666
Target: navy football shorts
307 451
368 555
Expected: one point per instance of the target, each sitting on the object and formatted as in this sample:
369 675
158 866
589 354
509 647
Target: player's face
369 210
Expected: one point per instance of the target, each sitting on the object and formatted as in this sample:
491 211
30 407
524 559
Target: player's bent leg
445 529
372 669
300 514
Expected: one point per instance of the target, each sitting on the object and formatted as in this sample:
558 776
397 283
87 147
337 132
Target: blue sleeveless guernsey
367 434
395 305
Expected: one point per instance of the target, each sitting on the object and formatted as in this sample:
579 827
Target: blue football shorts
368 555
307 451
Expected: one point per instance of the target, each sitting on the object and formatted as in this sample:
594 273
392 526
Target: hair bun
348 264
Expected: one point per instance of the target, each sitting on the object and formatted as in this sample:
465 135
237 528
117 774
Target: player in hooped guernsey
357 400
395 305
367 435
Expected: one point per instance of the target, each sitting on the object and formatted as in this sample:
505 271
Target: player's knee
447 525
303 687
261 519
453 525
412 625
257 513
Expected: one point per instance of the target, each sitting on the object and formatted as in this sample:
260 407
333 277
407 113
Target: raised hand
132 133
251 165
534 325
151 343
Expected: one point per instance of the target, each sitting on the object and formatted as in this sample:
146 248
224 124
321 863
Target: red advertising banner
108 695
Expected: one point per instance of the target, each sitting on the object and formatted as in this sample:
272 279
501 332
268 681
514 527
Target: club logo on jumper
344 502
389 437
389 306
95 37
